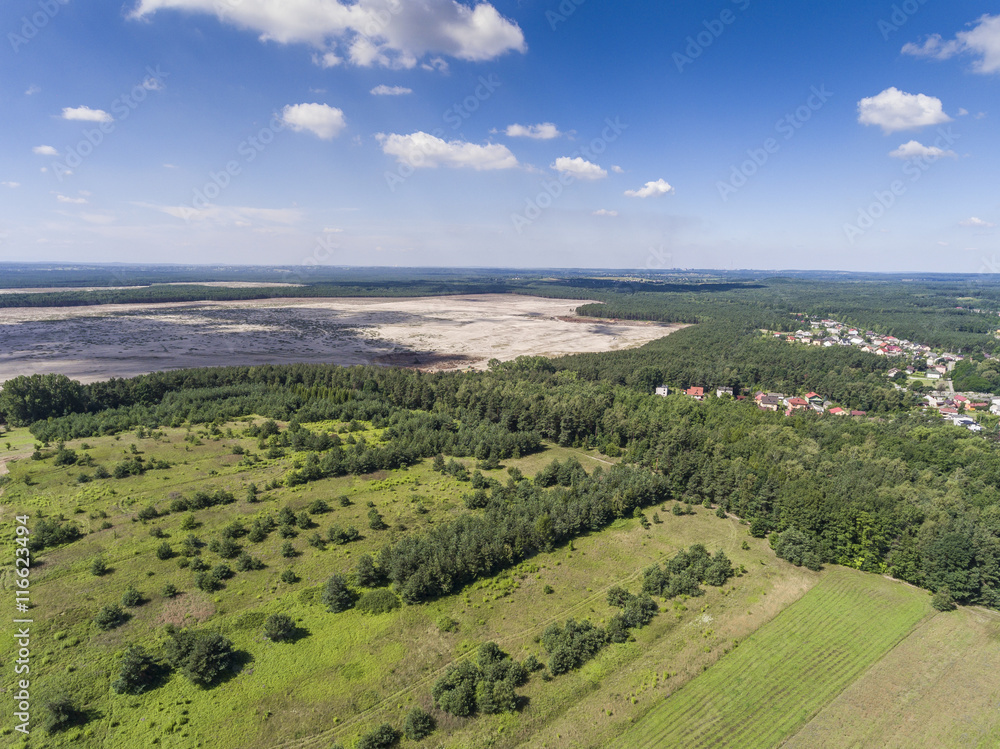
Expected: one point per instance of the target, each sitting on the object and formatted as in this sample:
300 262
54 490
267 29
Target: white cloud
605 212
383 90
962 111
916 150
327 59
983 40
229 215
894 110
579 168
86 114
321 119
617 169
976 223
169 166
45 151
32 90
651 189
384 32
75 201
421 149
11 185
541 131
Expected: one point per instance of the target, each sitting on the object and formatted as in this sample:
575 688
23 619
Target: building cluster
959 408
923 361
771 401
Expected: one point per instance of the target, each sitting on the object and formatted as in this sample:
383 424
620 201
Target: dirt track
431 333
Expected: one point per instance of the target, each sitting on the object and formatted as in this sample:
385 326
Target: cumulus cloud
982 41
976 223
916 150
605 212
384 90
421 149
11 185
579 168
86 114
389 33
894 110
651 189
74 201
541 131
45 151
322 120
617 169
32 90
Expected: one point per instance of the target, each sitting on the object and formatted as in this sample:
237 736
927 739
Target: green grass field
790 669
350 671
937 688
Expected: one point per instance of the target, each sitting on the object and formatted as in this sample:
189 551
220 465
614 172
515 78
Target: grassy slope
351 671
936 688
780 677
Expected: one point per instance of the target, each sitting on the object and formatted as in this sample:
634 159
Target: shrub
943 601
164 551
246 563
796 547
228 548
289 576
382 737
169 590
375 521
137 672
110 616
279 627
337 596
447 624
288 551
202 656
418 724
132 597
99 567
380 601
156 532
318 507
204 581
59 713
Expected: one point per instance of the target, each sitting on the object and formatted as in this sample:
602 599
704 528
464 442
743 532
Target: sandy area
432 333
222 284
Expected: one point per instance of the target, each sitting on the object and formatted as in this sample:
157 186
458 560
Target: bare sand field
430 333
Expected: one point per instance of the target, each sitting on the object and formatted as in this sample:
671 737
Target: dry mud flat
430 333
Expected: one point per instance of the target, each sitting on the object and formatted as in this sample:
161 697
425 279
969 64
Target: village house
663 391
769 402
838 411
719 392
695 392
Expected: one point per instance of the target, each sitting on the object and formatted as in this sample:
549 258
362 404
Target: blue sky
722 134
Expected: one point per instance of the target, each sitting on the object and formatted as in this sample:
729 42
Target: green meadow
344 673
